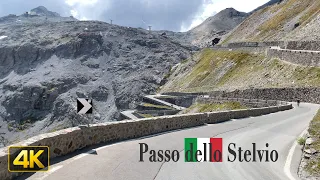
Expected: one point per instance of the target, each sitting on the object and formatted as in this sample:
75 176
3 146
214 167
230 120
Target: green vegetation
313 165
167 97
168 74
313 11
301 141
145 115
308 75
223 69
52 89
209 107
156 106
215 67
211 60
285 12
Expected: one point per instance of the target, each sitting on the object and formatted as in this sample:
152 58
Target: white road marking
79 156
287 165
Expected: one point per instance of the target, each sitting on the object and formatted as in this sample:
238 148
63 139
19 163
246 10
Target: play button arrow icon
84 106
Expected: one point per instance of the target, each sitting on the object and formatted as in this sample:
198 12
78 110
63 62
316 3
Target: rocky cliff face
44 67
216 26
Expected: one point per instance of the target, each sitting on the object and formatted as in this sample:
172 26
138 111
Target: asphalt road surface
154 98
121 160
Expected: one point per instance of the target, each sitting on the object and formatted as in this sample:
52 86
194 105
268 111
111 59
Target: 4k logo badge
84 106
28 158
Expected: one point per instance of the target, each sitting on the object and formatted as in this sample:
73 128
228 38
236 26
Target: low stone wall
293 45
255 44
184 101
183 94
158 113
303 45
252 103
305 58
69 140
246 49
311 95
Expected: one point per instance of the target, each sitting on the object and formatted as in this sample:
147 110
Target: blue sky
175 15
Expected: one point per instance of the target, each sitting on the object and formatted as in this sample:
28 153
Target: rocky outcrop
216 26
45 70
42 11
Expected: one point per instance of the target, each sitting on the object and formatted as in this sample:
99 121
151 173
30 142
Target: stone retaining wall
305 58
293 45
246 49
69 140
311 95
252 103
303 45
183 101
157 112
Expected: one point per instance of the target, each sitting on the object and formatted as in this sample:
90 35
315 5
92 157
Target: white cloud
212 7
81 2
81 9
74 13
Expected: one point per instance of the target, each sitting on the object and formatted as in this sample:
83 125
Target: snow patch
2 37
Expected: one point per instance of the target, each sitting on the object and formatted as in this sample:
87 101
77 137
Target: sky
174 15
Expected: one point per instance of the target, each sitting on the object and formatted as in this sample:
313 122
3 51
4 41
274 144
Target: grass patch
313 165
310 75
288 11
156 106
209 107
313 11
211 60
301 141
145 115
221 69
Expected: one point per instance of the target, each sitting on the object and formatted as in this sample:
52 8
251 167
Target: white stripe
201 147
287 165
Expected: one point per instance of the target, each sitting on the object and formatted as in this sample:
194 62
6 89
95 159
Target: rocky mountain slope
289 20
43 11
213 27
271 2
44 67
216 26
36 15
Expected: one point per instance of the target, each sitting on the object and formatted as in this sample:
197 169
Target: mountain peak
43 11
231 12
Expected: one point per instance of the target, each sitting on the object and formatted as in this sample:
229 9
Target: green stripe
190 149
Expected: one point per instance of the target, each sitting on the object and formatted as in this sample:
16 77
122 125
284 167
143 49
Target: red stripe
216 149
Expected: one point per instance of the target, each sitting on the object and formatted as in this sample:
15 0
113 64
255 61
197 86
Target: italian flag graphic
203 149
